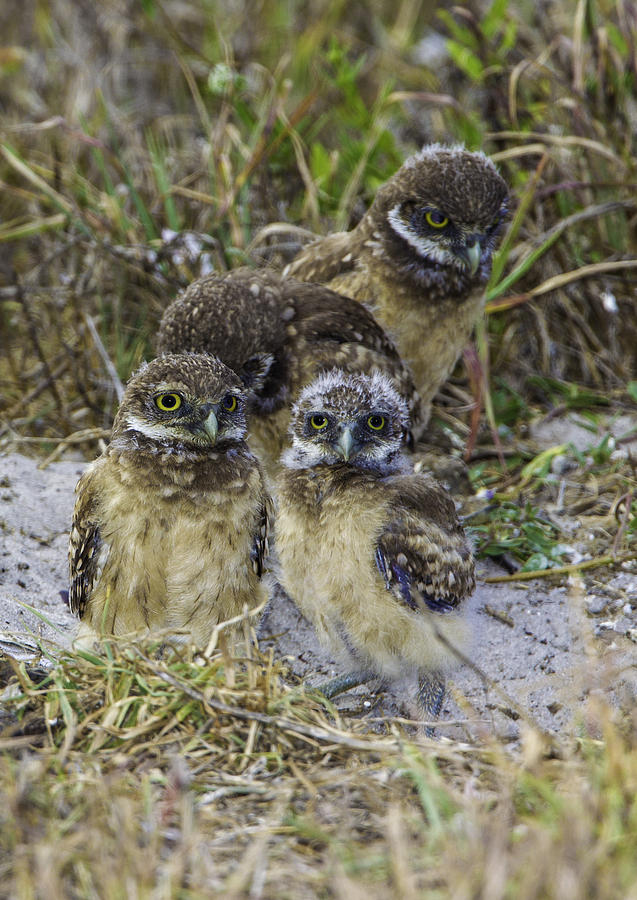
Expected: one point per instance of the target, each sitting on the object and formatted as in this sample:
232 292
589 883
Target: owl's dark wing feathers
85 550
329 330
260 547
404 582
422 553
325 315
335 258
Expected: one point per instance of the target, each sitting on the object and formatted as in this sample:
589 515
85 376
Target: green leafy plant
522 532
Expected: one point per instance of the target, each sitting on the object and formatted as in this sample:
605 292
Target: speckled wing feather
86 549
287 330
233 316
423 553
329 330
334 257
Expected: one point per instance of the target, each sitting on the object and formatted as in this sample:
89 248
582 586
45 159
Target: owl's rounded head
184 400
351 419
441 212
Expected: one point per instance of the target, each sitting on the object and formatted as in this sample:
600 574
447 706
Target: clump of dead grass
171 775
144 699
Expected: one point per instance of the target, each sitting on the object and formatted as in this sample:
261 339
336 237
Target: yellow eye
319 422
168 402
436 219
229 402
376 422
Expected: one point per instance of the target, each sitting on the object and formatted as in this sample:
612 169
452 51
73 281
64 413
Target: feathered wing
260 545
278 334
329 331
323 259
422 553
86 549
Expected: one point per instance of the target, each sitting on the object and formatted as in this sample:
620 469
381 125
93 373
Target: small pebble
596 604
508 733
561 464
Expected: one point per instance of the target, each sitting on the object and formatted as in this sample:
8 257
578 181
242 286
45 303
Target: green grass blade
163 182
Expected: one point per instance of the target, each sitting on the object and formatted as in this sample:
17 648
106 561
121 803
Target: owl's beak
345 443
211 426
471 254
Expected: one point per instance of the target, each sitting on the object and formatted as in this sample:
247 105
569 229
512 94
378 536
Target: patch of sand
538 642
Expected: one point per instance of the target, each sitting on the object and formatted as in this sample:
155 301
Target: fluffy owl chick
371 552
279 334
170 523
420 257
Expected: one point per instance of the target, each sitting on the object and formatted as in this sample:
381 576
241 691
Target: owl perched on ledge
420 257
279 334
170 523
372 553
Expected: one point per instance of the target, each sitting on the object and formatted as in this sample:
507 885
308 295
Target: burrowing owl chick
420 257
279 334
372 553
170 522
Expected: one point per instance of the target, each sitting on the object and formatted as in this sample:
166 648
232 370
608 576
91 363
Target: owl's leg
431 693
344 683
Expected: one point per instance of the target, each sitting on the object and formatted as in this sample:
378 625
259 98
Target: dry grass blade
573 569
33 178
110 368
561 280
561 141
10 232
86 435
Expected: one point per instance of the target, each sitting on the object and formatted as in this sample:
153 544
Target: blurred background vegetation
142 144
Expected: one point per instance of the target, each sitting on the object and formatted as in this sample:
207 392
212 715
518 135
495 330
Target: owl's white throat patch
156 432
425 248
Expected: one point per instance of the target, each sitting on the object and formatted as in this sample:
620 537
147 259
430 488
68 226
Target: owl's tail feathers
431 694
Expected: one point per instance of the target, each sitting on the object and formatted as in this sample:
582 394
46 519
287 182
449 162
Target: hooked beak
344 444
471 254
210 426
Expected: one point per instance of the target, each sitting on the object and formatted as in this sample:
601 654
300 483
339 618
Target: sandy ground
549 648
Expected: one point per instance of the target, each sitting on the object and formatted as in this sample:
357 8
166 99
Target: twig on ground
562 570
